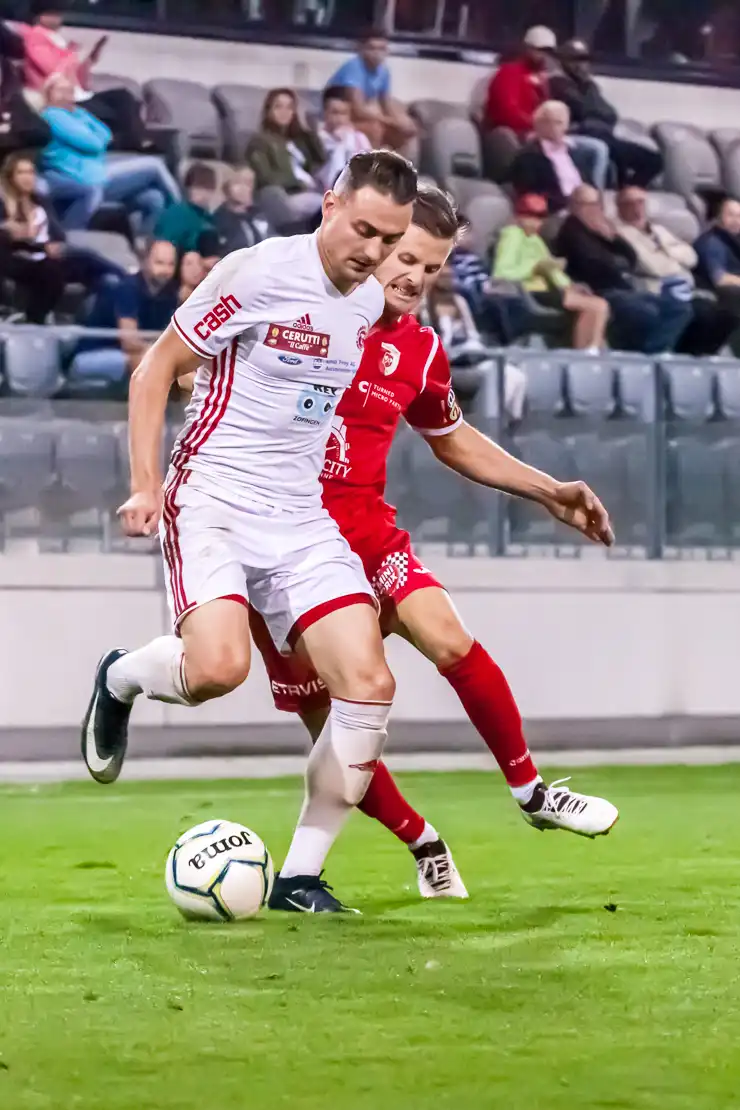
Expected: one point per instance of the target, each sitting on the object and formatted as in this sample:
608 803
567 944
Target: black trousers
40 282
635 164
709 330
121 111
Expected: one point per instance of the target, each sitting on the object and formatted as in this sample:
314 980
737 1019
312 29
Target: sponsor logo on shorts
299 689
290 360
217 316
301 340
391 575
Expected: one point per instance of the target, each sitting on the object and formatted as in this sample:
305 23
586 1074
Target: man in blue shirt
368 81
718 249
142 303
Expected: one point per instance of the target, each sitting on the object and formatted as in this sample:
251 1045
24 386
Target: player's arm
168 359
468 452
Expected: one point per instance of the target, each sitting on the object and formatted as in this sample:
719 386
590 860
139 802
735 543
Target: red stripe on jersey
188 340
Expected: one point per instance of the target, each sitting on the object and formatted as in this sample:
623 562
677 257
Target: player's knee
371 682
451 644
218 671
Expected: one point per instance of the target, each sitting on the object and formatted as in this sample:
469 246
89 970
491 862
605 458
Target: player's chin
400 303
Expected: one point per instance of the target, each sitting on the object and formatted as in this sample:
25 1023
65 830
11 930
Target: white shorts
293 573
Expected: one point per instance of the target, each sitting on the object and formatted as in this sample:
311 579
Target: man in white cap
521 85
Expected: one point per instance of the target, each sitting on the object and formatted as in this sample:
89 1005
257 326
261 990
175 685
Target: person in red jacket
518 87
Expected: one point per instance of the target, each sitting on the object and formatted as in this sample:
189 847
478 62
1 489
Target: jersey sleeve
435 411
227 302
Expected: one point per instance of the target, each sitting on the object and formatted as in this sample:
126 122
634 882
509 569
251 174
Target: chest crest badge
390 360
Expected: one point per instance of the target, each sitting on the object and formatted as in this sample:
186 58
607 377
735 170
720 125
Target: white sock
338 773
428 836
523 794
155 670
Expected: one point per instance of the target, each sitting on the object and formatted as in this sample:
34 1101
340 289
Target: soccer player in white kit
275 334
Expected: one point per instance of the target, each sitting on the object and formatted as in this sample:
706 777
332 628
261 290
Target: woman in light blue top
80 176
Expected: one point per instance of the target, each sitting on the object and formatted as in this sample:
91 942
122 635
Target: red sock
385 802
488 701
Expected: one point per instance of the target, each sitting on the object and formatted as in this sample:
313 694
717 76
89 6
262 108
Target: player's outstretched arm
475 456
151 382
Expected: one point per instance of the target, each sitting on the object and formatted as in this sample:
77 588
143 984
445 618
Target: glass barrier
684 35
659 443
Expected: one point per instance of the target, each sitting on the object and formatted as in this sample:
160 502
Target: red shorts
393 570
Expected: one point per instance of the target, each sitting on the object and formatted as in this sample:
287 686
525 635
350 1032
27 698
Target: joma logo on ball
218 847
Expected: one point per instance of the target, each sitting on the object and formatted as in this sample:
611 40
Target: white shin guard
339 770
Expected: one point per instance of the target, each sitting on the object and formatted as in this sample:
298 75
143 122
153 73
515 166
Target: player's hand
578 506
140 514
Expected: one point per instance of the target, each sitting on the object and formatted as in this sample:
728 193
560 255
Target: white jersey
280 345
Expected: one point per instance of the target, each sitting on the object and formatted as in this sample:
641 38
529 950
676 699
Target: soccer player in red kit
405 372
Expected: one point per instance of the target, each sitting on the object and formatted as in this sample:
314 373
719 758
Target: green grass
531 996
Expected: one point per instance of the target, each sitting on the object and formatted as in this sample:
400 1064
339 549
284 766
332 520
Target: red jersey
404 372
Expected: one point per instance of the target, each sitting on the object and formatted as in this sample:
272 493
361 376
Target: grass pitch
579 976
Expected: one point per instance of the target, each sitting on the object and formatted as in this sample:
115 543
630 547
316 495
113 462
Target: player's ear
330 203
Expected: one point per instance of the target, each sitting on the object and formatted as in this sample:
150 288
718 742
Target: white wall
578 639
145 56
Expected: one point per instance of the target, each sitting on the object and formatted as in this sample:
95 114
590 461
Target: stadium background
635 649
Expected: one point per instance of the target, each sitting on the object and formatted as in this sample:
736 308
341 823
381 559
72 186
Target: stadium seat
440 505
311 102
726 141
478 98
222 170
240 108
187 105
88 477
528 522
589 385
633 131
488 213
728 454
731 169
691 163
636 388
728 391
544 383
428 112
32 362
26 464
500 146
108 243
102 82
695 510
455 160
599 461
631 517
689 390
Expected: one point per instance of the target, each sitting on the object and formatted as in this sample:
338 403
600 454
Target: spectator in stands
500 309
209 248
665 263
238 221
550 165
718 249
286 156
48 53
80 178
191 272
592 114
522 256
143 302
367 78
20 127
183 224
598 257
339 136
520 86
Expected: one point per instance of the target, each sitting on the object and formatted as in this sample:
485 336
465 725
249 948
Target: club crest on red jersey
391 358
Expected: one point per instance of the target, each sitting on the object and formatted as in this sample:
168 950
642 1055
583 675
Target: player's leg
210 656
428 619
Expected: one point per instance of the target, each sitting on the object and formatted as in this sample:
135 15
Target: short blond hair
551 107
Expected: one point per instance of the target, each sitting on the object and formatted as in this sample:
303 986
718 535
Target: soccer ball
219 871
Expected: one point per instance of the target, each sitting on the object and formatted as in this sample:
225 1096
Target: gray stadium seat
429 111
695 510
108 243
441 505
240 107
589 384
32 362
731 169
600 462
26 463
544 383
631 518
222 170
88 477
187 105
311 101
500 146
728 453
528 522
455 160
691 163
725 140
633 131
478 98
488 213
636 388
102 82
728 392
690 390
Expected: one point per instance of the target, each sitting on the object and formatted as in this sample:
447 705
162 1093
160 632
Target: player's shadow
477 915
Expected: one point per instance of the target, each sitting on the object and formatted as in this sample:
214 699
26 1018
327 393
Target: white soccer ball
219 871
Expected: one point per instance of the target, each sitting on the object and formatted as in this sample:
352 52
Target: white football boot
557 807
436 872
